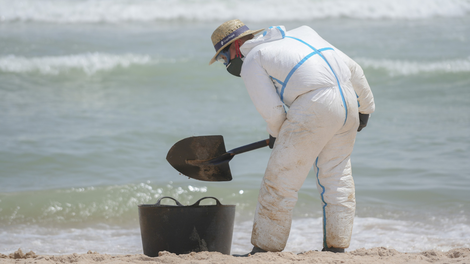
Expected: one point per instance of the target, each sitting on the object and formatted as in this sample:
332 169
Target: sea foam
108 11
369 232
306 234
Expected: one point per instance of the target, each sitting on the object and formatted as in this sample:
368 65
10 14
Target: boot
334 250
253 251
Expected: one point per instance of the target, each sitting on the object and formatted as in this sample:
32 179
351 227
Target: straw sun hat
227 33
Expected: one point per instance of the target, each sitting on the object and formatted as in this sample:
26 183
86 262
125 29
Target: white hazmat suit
324 90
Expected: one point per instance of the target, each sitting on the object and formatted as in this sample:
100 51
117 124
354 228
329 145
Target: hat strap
238 53
229 37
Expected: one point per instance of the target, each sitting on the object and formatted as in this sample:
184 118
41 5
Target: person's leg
285 174
336 187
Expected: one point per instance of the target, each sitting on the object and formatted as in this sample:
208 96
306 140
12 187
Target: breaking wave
89 63
404 68
113 11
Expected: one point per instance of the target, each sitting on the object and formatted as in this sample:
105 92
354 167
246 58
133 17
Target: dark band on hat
231 36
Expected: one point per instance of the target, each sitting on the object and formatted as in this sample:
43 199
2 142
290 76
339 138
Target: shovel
205 158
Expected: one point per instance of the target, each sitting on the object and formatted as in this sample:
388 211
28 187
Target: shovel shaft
252 146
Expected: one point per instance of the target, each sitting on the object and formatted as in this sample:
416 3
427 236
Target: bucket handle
198 201
177 203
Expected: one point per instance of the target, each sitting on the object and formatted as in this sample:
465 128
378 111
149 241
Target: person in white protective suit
328 100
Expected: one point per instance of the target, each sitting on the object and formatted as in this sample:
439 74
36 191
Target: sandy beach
373 255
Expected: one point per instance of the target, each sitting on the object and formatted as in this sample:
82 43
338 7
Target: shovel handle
252 146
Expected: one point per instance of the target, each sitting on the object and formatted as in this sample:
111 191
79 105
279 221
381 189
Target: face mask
235 66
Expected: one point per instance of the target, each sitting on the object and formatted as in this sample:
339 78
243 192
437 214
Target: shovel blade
201 148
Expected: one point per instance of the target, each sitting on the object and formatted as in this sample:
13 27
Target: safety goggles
224 56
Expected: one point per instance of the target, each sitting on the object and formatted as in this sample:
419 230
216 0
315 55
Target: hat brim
246 33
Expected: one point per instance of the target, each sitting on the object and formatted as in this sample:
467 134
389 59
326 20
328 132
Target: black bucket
183 229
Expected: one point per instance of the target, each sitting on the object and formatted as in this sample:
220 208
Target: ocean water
94 93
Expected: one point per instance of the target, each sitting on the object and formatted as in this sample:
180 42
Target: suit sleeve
364 94
263 93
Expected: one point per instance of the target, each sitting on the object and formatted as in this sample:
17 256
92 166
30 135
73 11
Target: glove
363 118
271 141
